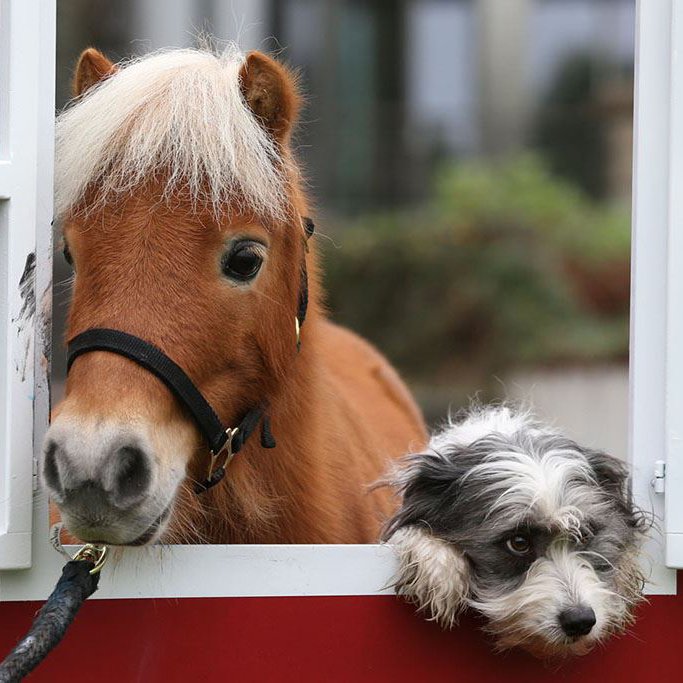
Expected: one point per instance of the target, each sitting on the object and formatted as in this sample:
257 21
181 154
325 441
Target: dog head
524 525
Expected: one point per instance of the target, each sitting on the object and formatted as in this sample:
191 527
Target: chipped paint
26 315
26 290
44 332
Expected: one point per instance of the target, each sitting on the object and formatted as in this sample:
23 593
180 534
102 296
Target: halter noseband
224 442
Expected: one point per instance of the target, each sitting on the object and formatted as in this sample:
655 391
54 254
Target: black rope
50 624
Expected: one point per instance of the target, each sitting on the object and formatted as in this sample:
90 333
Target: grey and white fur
507 516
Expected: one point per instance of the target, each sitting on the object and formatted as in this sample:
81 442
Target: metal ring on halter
91 552
95 553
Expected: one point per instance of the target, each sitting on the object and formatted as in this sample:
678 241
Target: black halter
223 442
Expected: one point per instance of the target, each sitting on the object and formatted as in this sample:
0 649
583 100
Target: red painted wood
357 639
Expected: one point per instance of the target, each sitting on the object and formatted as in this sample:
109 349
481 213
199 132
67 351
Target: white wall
588 404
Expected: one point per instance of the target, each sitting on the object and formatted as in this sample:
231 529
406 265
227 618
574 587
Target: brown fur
339 411
269 89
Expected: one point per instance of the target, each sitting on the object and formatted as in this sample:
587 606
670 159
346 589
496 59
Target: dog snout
577 621
119 477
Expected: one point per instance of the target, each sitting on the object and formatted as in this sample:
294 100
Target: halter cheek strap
308 228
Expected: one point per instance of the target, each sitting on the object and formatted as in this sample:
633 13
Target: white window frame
656 385
656 374
27 54
674 283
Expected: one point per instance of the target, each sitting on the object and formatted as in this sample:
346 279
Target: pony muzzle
108 482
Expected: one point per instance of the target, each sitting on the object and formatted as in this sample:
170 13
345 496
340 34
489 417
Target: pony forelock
179 113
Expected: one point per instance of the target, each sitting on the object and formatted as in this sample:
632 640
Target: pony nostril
51 470
132 476
577 621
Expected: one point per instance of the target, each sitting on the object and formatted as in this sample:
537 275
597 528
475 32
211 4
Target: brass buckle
95 553
227 448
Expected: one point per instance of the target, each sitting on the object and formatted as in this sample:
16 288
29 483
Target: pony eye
243 261
519 545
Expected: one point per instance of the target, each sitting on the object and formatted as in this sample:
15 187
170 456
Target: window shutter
27 54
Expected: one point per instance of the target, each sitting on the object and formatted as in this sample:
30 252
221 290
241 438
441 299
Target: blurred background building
471 165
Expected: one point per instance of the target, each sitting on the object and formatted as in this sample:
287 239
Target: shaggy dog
507 516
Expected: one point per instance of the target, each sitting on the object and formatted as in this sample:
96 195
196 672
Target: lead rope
78 582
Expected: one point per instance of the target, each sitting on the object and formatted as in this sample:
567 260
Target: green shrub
503 268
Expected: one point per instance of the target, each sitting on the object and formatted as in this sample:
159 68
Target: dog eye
602 565
519 544
243 261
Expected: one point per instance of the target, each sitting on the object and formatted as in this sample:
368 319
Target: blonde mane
177 112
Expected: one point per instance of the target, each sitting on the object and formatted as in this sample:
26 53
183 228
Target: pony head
181 214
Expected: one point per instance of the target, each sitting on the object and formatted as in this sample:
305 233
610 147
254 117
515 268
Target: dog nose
121 478
577 621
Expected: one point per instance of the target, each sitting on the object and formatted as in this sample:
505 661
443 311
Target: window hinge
660 475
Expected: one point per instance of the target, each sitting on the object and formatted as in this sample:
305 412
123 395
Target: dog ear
432 574
613 476
429 485
610 473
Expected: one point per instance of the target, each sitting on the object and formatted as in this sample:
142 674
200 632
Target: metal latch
660 475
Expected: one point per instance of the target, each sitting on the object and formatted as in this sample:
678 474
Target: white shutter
27 54
657 280
674 287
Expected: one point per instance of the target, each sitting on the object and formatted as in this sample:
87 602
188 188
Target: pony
183 216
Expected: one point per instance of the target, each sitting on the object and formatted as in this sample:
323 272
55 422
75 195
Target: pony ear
270 91
92 68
